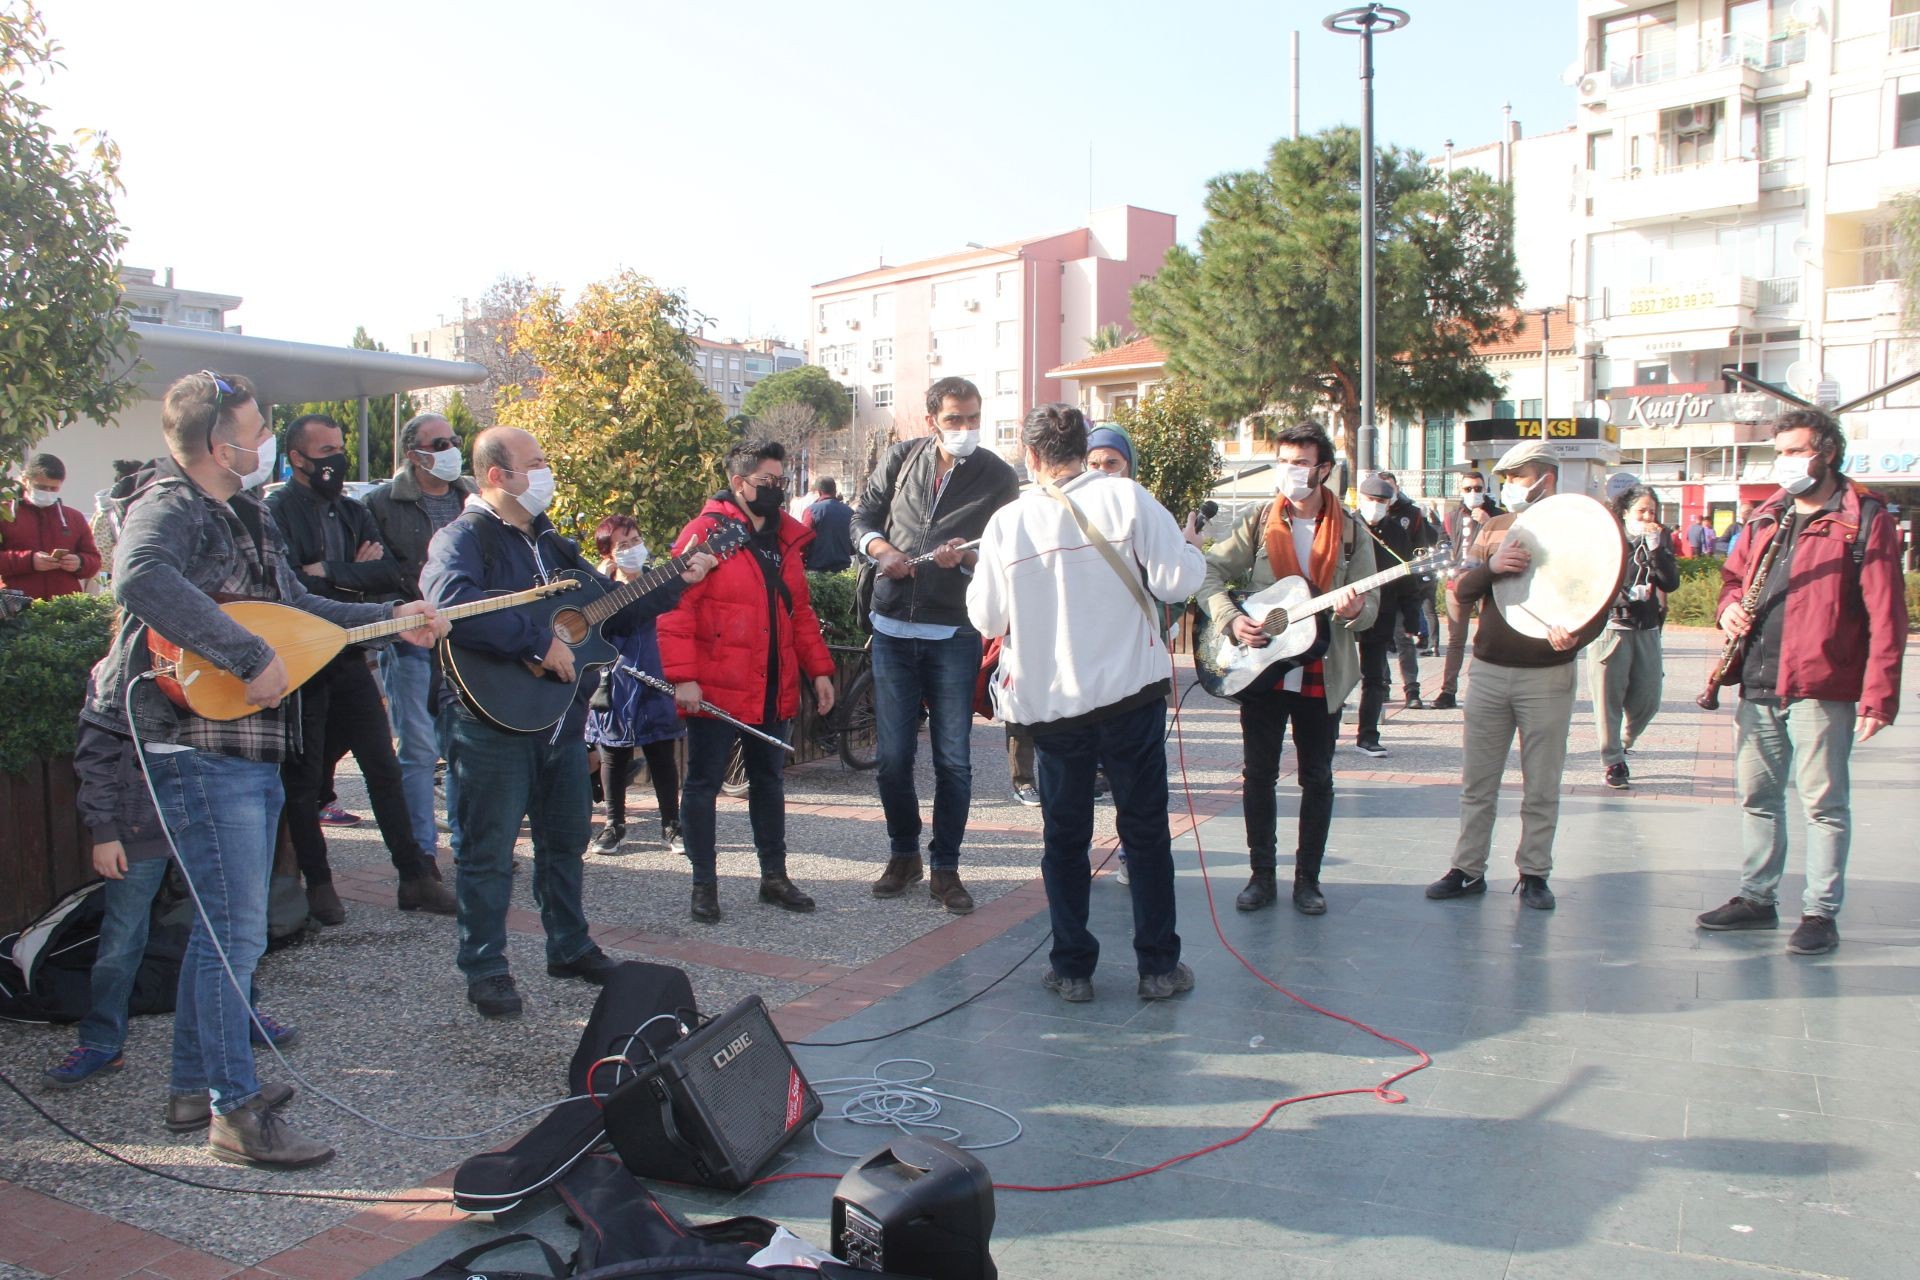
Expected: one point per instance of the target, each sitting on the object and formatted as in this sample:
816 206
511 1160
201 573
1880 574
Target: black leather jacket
302 516
898 504
404 524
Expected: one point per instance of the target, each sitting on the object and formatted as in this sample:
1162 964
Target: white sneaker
1121 875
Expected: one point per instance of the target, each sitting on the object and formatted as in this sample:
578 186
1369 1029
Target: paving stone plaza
1612 1093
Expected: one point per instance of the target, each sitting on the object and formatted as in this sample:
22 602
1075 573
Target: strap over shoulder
1107 553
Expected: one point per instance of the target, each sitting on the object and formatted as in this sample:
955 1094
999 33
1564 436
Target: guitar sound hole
569 626
1277 621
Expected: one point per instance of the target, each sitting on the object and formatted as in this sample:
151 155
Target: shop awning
1659 344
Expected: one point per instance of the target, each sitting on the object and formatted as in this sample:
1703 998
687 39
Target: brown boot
254 1134
900 872
427 894
189 1111
947 890
323 904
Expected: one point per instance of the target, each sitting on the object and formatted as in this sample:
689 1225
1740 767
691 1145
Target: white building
157 301
1740 162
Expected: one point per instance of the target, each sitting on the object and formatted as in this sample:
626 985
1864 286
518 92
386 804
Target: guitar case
495 1181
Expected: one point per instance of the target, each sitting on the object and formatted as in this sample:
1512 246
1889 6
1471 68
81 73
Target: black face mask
767 500
328 476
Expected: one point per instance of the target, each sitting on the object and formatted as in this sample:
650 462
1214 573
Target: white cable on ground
901 1102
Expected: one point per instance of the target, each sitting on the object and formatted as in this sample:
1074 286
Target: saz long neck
452 613
1320 604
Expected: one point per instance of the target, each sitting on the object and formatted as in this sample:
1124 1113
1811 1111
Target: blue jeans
224 814
123 942
1132 749
504 777
1767 739
407 673
708 741
940 674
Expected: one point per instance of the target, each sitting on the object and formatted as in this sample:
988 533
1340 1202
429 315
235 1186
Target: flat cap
1521 454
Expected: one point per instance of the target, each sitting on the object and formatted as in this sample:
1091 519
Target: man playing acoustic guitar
197 533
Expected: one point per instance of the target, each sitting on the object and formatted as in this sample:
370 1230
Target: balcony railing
1777 175
1903 33
1863 302
1779 293
1711 54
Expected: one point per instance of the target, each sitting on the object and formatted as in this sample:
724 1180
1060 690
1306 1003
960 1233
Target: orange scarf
1328 529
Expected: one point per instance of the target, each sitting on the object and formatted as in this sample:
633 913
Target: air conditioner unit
853 324
1692 121
1592 87
874 365
971 304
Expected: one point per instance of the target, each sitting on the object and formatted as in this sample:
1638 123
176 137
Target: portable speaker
713 1108
919 1207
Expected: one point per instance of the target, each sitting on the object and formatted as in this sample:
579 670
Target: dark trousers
341 711
939 675
1397 632
1132 749
708 742
616 768
1264 720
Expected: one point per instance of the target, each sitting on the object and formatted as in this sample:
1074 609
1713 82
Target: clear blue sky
371 163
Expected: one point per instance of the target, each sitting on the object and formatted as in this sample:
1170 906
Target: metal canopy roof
287 372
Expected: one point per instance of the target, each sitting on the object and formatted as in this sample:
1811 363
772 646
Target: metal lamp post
1365 22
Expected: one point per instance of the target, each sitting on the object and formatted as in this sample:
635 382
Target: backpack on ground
46 969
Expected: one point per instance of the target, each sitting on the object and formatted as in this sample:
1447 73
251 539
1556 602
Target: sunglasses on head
227 394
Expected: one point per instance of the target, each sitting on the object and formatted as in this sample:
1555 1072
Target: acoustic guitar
1226 668
303 642
524 697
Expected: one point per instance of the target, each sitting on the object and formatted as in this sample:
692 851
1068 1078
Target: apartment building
1741 159
1002 316
152 298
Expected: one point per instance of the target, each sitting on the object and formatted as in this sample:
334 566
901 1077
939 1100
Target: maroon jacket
1840 643
55 528
718 634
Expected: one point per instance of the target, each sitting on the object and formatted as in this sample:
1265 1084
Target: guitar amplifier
715 1107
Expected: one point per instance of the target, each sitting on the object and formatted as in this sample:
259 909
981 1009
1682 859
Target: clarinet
1735 652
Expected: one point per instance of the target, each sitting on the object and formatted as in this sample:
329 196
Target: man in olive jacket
1303 532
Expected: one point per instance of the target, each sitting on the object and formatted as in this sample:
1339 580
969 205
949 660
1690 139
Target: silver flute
655 682
963 548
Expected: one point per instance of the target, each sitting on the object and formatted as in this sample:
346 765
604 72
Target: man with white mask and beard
1517 684
928 496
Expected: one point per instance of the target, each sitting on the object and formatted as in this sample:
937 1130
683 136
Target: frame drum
1578 554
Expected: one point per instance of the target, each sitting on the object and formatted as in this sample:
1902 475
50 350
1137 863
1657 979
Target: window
882 395
1879 253
1397 439
1650 373
1006 333
1006 284
883 309
1503 408
883 349
1006 431
197 317
1006 382
1906 130
1529 408
1436 440
1638 48
1854 126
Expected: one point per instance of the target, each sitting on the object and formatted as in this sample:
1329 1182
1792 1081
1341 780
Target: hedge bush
833 601
45 655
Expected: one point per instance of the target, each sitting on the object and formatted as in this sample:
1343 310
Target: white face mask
43 497
445 465
1474 499
1515 494
1373 510
959 443
1793 474
1296 482
264 459
1635 529
540 487
632 559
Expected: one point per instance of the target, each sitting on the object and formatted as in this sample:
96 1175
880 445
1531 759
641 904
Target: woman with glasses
625 715
1624 666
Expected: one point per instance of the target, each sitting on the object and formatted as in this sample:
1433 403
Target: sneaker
1815 936
1617 776
1174 982
670 837
334 816
1370 747
1456 884
1072 990
611 837
278 1033
254 1134
1740 913
81 1065
1534 893
596 966
1121 875
1445 702
1027 796
495 996
187 1112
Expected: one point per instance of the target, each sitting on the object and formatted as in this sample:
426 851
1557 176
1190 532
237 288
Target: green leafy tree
64 337
624 419
809 385
1173 446
1904 232
383 423
1264 317
1107 337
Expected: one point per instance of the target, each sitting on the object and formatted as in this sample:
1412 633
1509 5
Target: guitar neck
1320 604
452 613
622 596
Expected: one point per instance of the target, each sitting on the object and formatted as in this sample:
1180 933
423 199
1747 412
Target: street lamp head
1367 20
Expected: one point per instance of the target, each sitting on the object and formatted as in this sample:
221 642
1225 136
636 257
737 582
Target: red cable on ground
1383 1091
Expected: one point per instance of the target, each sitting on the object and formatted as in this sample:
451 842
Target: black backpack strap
460 1265
1869 508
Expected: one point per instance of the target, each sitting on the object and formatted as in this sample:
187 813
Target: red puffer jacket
1841 643
718 634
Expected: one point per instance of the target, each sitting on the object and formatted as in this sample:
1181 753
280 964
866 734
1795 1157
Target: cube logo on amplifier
715 1107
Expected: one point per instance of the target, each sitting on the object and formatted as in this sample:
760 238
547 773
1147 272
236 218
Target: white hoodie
1076 638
